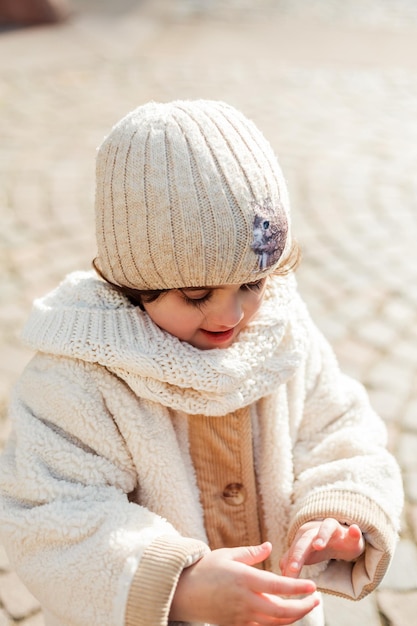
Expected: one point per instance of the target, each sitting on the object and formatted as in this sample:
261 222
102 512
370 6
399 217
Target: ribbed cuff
156 578
347 579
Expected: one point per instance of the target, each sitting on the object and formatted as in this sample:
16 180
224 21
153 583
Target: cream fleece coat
100 510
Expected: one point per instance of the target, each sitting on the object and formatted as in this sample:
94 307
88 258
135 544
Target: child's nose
229 313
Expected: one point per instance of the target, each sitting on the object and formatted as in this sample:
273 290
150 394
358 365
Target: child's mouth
218 336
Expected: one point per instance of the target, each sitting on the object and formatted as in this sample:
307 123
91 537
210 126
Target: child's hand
321 541
223 589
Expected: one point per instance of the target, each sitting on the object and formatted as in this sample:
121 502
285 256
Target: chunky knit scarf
86 319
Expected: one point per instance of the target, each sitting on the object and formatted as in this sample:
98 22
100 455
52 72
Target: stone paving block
413 520
343 612
333 329
355 308
402 574
29 193
386 403
14 357
5 391
62 253
356 358
4 618
377 333
393 433
410 485
407 451
11 315
399 312
389 373
26 254
409 420
16 599
412 293
399 609
9 287
405 348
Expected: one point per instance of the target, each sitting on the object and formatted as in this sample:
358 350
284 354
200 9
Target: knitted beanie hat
188 194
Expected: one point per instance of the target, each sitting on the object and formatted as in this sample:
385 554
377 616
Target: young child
185 448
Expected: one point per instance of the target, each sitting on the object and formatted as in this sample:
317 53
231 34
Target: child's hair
140 296
189 194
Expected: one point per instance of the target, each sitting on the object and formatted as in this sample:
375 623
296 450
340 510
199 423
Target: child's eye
196 298
255 286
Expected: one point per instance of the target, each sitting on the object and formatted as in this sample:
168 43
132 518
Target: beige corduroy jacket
132 454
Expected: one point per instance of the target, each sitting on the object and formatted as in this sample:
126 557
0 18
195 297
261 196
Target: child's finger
326 531
251 555
276 610
356 540
294 559
355 532
262 582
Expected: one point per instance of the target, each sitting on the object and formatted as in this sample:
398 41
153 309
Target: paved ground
334 87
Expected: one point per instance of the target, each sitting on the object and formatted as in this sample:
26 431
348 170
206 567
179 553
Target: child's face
207 317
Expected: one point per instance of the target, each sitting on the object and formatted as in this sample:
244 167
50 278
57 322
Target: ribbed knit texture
188 193
156 578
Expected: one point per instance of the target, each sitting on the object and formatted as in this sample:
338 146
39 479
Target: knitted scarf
84 318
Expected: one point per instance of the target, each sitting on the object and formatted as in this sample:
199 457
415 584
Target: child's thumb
251 555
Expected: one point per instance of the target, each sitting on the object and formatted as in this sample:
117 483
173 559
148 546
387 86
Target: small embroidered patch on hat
270 229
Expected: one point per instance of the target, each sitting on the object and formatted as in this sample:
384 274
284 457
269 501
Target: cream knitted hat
188 194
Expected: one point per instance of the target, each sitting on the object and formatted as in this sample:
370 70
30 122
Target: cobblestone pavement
333 88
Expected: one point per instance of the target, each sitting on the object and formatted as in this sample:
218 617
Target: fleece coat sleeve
343 470
74 536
